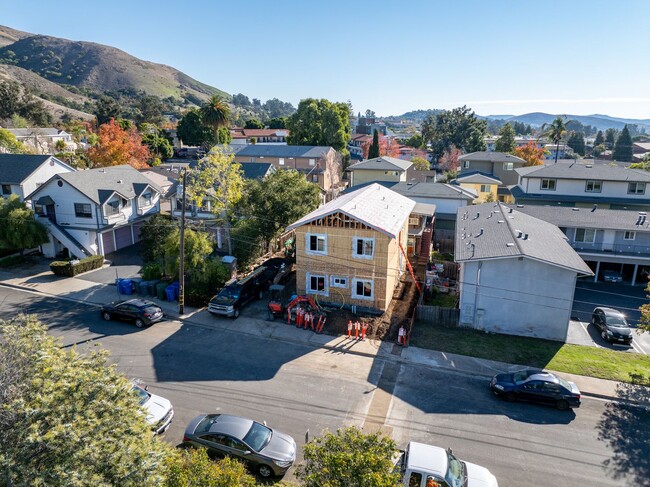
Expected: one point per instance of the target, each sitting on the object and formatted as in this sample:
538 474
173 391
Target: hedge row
74 267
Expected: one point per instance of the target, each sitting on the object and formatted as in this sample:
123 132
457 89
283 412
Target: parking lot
622 297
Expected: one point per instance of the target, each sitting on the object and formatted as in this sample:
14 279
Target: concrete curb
316 341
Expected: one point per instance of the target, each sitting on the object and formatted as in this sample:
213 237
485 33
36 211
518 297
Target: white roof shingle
374 205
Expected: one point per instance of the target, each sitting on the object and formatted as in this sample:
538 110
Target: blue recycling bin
143 288
172 292
125 286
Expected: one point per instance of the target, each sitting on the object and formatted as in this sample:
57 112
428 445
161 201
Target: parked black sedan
140 311
536 386
612 325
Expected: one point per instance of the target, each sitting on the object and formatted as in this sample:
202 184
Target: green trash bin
160 290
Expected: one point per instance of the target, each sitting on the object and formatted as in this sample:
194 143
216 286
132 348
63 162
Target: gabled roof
599 172
434 190
497 231
100 184
255 170
245 133
45 131
374 205
478 178
261 150
597 218
15 168
550 197
383 163
485 156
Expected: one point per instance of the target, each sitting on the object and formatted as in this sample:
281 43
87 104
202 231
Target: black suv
236 294
612 325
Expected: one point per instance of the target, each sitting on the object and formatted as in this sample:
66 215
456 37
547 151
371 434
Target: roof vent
501 221
588 165
509 210
519 233
520 206
510 244
594 208
525 237
575 209
642 213
480 233
478 214
119 181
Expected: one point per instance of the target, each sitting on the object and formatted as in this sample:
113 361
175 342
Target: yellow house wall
382 269
482 195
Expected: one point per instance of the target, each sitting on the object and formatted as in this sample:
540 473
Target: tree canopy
68 418
192 131
644 322
531 153
623 147
458 127
216 114
320 122
16 101
420 163
193 467
19 229
11 144
278 200
117 146
555 131
107 108
373 151
253 123
577 142
600 138
506 141
349 458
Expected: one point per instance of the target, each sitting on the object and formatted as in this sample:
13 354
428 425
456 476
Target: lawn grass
442 300
573 359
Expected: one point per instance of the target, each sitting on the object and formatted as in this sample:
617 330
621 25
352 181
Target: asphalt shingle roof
598 218
99 184
374 205
15 168
261 150
478 178
522 197
495 230
383 163
255 170
434 190
484 156
599 172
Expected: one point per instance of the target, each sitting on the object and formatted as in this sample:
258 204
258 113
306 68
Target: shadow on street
626 429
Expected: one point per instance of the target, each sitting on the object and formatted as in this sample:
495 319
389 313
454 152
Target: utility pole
181 259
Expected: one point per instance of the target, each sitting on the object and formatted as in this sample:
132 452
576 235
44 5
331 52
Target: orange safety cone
350 329
321 323
299 317
364 329
289 316
357 327
312 317
401 335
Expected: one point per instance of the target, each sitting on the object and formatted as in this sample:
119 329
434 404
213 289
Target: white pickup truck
431 466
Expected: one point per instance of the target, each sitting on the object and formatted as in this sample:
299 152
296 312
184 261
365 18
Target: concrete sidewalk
89 292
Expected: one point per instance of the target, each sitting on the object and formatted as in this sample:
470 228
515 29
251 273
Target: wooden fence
438 315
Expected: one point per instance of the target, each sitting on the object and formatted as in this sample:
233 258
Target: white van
431 466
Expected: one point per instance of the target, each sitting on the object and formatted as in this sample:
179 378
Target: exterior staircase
425 245
63 236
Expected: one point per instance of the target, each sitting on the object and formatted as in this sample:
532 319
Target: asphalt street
297 388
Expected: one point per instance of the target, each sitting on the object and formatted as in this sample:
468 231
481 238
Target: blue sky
498 57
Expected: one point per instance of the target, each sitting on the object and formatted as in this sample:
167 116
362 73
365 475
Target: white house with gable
96 211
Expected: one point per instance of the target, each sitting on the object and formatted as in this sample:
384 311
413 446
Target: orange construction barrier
357 327
350 329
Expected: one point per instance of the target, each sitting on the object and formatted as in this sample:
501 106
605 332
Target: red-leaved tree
387 147
117 146
448 161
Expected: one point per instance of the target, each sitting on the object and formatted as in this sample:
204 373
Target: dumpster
160 290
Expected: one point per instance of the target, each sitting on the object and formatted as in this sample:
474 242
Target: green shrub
75 267
151 271
13 260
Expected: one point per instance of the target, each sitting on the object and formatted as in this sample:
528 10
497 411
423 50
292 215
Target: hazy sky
498 57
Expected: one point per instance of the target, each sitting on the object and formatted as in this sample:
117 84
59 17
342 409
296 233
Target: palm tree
215 113
555 131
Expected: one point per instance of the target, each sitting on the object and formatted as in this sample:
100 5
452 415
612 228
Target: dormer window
145 199
113 207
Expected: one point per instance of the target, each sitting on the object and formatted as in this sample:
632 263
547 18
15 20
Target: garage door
123 237
107 242
137 228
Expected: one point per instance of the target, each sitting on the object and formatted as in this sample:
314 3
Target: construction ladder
410 268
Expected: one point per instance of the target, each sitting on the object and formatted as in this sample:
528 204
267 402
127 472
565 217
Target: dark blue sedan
536 386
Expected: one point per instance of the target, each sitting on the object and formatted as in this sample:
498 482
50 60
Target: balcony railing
620 249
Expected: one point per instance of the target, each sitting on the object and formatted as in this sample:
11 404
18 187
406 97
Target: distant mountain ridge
97 67
537 119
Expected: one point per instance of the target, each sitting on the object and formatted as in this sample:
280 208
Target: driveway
623 297
125 263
